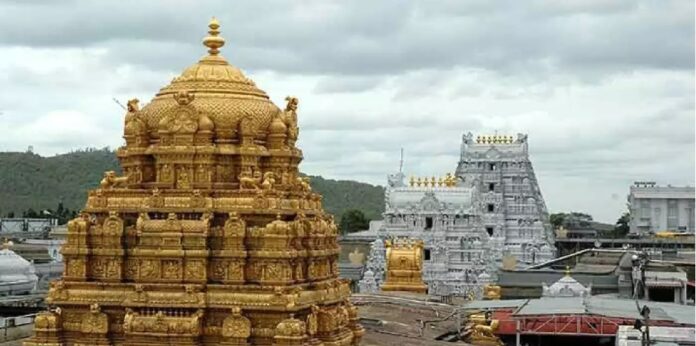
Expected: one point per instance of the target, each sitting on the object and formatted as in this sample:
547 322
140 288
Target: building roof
430 197
15 270
608 306
672 192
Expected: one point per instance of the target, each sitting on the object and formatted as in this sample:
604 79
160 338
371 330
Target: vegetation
582 221
353 220
572 220
622 225
36 186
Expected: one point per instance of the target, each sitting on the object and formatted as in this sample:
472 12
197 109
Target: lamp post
643 325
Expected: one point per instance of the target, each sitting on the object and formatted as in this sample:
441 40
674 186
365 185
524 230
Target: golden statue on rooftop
479 329
209 236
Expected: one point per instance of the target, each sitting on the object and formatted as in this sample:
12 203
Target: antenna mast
401 161
118 103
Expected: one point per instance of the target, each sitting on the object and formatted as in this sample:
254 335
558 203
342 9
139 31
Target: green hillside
31 181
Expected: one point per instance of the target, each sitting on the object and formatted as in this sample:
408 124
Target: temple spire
213 41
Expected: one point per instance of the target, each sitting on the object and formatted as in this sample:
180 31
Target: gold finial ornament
209 230
567 271
213 41
494 139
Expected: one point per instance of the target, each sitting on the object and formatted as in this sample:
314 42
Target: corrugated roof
624 308
494 304
595 305
552 306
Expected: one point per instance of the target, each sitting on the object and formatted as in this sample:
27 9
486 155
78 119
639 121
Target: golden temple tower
210 237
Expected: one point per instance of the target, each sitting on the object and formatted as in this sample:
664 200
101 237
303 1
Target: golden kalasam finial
567 271
412 181
213 41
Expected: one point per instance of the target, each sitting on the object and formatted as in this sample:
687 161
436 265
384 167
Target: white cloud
604 89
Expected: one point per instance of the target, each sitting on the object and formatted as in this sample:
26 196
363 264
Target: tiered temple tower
513 211
442 214
210 237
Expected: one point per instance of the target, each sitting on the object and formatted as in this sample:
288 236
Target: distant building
660 208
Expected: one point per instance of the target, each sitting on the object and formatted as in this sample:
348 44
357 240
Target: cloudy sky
604 88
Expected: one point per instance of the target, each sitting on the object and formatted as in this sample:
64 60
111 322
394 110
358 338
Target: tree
571 220
353 220
31 213
557 219
622 227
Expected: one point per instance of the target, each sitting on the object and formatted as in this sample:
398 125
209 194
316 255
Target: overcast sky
605 89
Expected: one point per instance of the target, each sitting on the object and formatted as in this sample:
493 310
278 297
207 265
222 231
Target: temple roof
566 287
220 90
14 268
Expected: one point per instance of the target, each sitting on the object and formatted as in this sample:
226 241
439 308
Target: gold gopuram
211 237
404 266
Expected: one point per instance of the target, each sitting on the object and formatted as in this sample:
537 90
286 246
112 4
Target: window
672 208
491 207
492 167
490 231
645 209
672 214
426 255
428 222
491 186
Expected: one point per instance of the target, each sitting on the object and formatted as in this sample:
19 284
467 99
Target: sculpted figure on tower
210 237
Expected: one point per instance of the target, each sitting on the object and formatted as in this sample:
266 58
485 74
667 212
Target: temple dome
220 90
14 269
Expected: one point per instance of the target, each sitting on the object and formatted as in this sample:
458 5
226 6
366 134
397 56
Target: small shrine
566 286
404 266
